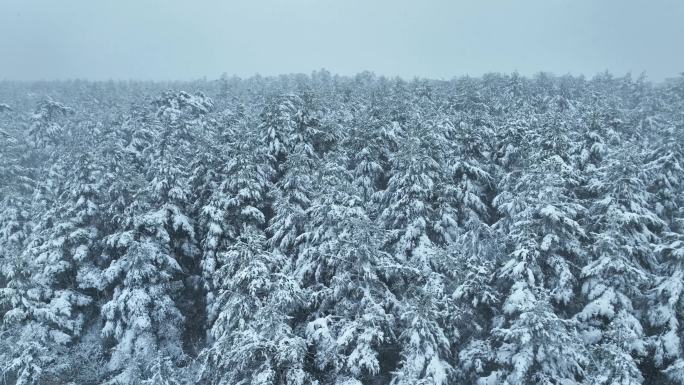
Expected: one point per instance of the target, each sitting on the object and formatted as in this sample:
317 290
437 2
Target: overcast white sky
174 39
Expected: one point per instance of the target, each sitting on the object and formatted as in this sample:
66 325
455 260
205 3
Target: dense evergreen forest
322 229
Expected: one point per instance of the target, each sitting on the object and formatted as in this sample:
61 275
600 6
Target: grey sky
174 39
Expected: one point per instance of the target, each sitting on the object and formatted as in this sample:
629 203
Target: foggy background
174 39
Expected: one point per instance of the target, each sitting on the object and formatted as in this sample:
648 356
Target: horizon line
227 75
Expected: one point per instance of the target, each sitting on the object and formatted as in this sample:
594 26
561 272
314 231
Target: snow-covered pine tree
65 240
209 152
406 204
32 331
154 252
666 300
477 301
351 322
47 125
238 201
408 213
534 340
618 271
182 119
369 142
473 183
426 337
142 321
253 341
292 198
17 175
666 306
280 119
17 168
136 134
294 170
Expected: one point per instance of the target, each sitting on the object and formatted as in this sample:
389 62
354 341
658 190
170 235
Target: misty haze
319 192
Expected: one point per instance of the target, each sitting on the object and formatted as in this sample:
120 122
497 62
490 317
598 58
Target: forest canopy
323 229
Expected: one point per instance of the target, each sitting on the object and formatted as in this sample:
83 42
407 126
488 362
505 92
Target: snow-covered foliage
320 230
45 125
